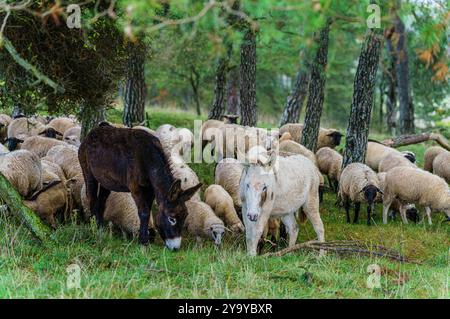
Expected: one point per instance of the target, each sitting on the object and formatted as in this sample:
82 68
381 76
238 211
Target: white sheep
23 170
40 145
72 136
61 125
279 187
430 155
358 183
228 175
327 137
222 204
394 160
377 151
203 223
413 185
441 166
329 163
294 147
168 136
184 173
21 128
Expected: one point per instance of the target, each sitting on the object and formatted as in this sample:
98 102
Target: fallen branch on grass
343 247
403 140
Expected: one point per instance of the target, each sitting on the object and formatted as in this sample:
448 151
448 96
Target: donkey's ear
175 190
188 193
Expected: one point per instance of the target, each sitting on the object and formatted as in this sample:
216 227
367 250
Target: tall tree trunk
12 199
233 97
295 100
90 117
248 79
404 93
363 96
316 90
194 79
135 89
391 102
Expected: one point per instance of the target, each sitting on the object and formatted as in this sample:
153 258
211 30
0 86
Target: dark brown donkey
130 160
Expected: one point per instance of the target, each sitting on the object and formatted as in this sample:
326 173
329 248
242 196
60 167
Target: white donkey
279 187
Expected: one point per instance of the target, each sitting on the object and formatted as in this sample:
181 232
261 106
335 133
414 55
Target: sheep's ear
175 190
188 193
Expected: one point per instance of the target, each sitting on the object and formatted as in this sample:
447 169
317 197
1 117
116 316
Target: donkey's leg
141 198
103 195
151 224
292 227
253 232
91 194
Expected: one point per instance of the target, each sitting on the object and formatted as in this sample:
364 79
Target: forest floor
113 266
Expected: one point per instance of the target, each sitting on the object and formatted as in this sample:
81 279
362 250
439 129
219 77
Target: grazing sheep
5 120
52 198
430 155
441 166
294 147
377 151
23 170
169 137
413 185
72 136
411 210
358 183
228 175
121 211
278 187
203 223
329 163
61 125
327 137
394 160
185 174
222 204
20 129
40 145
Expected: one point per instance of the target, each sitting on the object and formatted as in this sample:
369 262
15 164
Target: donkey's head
172 213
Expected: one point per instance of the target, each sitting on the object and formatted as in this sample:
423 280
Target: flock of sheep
280 181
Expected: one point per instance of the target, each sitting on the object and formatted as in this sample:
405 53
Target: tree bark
402 68
417 138
135 89
295 100
391 102
233 97
363 92
194 79
31 220
248 79
316 90
90 117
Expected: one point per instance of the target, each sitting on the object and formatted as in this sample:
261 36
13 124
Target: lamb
327 137
430 155
222 204
40 145
203 223
52 198
228 175
441 166
394 160
72 136
411 210
23 170
413 185
377 151
20 129
121 211
61 124
329 163
66 156
277 187
5 120
358 183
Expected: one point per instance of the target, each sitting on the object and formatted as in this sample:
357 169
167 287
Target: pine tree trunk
316 90
89 118
218 106
233 98
248 79
135 89
391 102
295 100
404 93
363 96
12 199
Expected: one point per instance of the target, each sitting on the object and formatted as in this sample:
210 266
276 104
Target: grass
113 266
